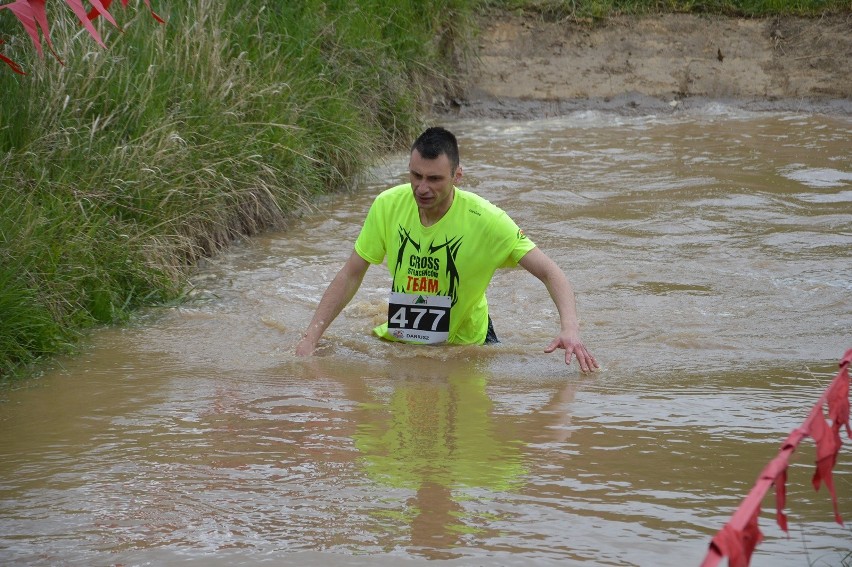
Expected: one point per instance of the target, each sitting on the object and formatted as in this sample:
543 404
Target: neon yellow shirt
440 273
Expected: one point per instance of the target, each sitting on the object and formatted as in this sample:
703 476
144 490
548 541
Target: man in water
443 245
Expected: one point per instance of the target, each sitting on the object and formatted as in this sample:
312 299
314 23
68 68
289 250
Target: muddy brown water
712 256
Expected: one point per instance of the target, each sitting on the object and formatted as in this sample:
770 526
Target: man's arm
541 266
339 293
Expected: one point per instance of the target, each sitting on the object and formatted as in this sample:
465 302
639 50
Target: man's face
432 183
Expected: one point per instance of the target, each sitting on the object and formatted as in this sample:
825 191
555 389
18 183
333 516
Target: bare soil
527 67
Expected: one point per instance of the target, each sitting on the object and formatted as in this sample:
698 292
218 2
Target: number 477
400 318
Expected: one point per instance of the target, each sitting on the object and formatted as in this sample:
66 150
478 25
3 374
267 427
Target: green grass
594 10
119 170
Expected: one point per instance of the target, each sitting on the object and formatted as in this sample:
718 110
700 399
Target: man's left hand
574 347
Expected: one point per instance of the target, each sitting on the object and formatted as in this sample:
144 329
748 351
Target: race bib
423 319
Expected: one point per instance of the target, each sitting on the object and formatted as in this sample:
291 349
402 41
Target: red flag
94 13
101 9
78 9
838 400
32 15
738 545
148 3
23 10
781 500
12 65
828 445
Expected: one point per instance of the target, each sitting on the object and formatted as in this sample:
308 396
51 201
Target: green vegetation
121 169
592 10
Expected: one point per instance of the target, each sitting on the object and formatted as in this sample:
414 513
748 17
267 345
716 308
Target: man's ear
458 175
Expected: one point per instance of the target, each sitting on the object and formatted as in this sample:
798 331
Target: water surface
711 252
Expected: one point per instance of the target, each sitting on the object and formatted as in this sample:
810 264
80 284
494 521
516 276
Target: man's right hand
305 347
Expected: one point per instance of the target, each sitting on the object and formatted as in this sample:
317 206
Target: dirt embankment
526 67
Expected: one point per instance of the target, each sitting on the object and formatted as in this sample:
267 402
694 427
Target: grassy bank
594 10
120 169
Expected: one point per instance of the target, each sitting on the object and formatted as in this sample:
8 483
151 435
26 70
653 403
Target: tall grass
119 170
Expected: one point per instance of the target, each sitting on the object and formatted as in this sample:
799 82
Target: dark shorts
490 335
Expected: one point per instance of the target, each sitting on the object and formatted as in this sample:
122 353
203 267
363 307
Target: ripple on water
819 178
710 253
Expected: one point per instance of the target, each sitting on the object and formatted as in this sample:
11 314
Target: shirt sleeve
371 243
518 242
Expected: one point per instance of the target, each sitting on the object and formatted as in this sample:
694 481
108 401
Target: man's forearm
340 292
563 297
554 279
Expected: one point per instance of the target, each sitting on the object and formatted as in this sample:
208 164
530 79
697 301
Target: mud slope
526 66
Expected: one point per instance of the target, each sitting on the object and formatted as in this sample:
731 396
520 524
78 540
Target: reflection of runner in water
436 441
446 457
443 245
438 432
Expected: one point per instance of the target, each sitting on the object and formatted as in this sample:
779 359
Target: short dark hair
435 141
